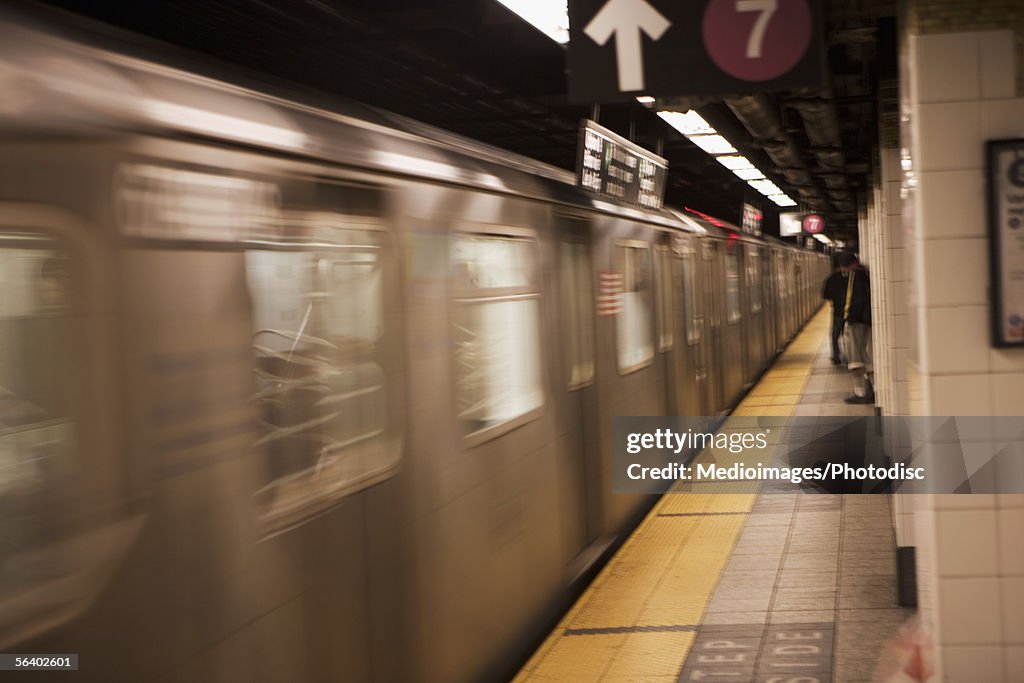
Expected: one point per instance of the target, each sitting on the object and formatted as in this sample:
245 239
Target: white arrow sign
626 19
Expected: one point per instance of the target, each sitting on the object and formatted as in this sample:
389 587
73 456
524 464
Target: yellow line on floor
631 622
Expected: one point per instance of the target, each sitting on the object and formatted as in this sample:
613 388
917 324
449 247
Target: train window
664 296
754 278
732 287
691 300
633 323
37 432
496 333
578 318
318 311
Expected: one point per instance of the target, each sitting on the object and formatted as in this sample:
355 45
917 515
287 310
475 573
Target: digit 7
767 8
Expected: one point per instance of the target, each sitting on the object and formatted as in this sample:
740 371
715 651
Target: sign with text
1006 239
751 219
789 224
612 166
622 48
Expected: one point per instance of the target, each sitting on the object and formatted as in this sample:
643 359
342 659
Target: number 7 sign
622 48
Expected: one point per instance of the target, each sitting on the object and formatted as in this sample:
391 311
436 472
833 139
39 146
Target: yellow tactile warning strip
638 619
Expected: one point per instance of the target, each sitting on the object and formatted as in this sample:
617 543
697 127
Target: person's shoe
836 360
860 399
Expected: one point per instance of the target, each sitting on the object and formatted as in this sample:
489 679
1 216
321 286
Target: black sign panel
612 166
622 48
1005 176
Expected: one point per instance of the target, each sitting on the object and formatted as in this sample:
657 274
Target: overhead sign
751 219
1005 169
813 224
675 47
789 224
612 166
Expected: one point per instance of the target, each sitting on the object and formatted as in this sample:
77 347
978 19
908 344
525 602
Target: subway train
308 393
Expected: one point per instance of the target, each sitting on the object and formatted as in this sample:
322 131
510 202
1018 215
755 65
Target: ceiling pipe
760 116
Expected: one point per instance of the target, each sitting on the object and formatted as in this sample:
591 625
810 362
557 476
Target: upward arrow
626 19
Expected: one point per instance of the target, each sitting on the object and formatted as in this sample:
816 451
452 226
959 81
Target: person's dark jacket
858 297
834 289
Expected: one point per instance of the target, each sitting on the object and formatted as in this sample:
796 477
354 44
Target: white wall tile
956 271
959 501
1010 501
997 64
1002 119
900 365
1013 608
959 395
957 340
972 664
1014 662
952 204
966 543
1008 394
969 611
1011 549
947 67
1007 360
948 136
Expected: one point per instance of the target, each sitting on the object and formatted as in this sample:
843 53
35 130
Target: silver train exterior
289 393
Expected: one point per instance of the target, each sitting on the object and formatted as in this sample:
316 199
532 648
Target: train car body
292 393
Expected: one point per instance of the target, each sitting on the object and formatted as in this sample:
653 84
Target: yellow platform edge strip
667 570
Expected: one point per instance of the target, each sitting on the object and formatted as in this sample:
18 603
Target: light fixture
749 174
712 144
690 123
765 187
550 17
645 99
782 200
735 162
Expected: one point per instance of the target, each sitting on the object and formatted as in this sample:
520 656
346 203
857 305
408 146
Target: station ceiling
474 67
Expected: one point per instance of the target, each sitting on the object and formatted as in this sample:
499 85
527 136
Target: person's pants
837 334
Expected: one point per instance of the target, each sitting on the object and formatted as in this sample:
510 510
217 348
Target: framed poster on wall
1005 180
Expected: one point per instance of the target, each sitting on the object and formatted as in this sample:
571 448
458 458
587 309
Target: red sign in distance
813 224
757 40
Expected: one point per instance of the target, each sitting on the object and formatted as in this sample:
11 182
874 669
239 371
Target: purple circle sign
757 40
813 224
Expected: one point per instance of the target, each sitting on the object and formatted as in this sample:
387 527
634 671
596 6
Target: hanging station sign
611 166
752 217
622 48
1005 171
813 224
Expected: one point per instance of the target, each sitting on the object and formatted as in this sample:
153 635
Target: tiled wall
959 90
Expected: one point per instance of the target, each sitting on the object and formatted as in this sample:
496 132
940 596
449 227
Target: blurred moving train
297 394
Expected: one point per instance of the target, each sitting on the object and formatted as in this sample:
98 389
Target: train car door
732 329
576 304
691 363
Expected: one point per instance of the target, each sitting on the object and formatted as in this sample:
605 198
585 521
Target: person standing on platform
857 336
834 289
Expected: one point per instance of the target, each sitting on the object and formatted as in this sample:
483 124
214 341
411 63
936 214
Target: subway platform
742 586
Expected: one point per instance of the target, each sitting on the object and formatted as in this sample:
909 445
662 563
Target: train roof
78 77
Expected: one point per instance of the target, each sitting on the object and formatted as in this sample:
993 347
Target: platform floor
741 586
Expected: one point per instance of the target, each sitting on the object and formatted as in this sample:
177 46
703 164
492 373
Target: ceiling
473 67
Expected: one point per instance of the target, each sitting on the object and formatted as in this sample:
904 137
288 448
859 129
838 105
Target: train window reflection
690 297
317 318
578 318
754 278
634 335
732 288
37 434
664 292
496 334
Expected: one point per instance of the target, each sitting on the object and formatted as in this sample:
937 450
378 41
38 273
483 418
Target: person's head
847 261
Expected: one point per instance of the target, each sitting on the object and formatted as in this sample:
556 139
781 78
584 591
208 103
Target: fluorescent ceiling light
690 123
713 144
782 200
749 174
735 163
550 17
765 187
645 99
822 238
